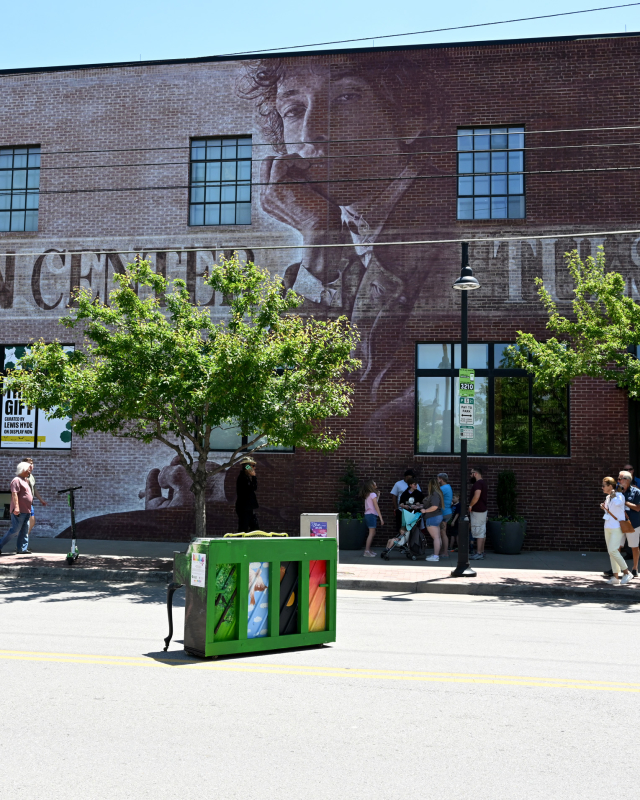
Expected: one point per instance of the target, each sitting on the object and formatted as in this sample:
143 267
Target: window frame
491 372
490 130
36 446
27 189
245 440
204 185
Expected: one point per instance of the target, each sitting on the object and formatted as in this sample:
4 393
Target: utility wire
433 30
523 238
339 180
335 141
349 155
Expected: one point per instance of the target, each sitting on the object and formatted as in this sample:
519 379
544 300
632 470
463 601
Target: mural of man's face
316 107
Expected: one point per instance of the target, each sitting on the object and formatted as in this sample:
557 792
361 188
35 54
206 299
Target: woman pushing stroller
410 506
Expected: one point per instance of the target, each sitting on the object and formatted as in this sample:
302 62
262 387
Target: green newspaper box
244 595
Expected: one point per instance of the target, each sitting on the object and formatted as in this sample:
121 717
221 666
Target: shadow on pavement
58 591
629 606
178 658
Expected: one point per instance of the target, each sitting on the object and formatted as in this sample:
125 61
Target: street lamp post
465 283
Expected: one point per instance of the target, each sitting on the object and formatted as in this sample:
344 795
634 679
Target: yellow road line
324 672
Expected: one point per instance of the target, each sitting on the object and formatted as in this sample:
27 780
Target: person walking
398 488
447 494
369 493
614 513
453 524
634 481
35 493
631 496
20 509
478 513
246 500
433 512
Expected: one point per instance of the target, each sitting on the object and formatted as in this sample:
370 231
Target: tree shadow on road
17 590
628 605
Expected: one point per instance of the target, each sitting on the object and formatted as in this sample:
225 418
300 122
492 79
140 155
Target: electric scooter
73 554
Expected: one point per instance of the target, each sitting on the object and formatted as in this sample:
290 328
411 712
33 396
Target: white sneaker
432 558
627 577
615 581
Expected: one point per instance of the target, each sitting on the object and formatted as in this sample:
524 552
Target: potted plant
507 530
353 531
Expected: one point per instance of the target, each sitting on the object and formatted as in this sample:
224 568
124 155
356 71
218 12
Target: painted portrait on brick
348 152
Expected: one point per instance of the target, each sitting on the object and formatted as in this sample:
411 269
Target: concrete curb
88 574
493 590
585 594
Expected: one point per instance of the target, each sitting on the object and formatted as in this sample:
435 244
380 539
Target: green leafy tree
595 341
174 375
349 502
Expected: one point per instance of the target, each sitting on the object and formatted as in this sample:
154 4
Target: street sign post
466 408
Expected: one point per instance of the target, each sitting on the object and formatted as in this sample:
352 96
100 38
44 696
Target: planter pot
506 537
353 534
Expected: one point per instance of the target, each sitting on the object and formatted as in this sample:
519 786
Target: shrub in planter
353 531
507 530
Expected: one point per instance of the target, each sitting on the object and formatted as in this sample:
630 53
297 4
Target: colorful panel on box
288 597
317 596
258 617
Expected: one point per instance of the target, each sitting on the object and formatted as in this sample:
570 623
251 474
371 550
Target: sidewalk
561 575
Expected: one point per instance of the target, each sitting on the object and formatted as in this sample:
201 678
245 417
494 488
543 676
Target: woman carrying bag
615 526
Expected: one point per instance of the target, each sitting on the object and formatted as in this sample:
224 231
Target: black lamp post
465 283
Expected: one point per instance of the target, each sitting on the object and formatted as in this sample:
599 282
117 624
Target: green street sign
467 383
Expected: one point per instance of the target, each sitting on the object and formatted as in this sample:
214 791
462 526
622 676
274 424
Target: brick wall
372 113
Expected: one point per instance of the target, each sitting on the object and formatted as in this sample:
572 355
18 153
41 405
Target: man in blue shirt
634 481
632 507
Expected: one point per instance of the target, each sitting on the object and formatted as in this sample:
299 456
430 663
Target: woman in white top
613 508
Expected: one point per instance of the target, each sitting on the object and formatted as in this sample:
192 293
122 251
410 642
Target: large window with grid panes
513 417
491 173
24 427
220 181
228 438
19 188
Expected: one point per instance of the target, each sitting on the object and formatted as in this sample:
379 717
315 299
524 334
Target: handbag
625 524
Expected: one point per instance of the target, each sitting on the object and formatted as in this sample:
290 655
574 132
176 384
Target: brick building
481 141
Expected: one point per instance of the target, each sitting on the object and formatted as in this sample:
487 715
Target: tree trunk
199 491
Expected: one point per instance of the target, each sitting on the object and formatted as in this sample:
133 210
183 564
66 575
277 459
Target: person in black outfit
246 501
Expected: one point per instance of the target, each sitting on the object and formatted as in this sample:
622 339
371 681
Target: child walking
453 523
369 493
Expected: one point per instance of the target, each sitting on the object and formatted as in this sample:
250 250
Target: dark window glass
511 411
495 157
229 438
550 429
19 188
512 417
220 181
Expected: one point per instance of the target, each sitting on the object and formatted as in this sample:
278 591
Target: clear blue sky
73 32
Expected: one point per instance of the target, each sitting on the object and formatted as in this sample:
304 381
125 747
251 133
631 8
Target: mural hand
290 198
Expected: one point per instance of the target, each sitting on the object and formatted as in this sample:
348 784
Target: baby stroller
410 541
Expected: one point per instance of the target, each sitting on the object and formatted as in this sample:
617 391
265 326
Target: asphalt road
422 696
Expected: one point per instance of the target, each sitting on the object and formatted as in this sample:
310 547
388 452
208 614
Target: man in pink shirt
21 501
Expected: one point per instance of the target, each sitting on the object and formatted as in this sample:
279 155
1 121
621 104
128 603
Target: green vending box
249 594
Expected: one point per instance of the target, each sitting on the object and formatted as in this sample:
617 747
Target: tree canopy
175 375
596 341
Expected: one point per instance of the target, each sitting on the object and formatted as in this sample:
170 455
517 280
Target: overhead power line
343 180
522 238
334 141
353 155
432 30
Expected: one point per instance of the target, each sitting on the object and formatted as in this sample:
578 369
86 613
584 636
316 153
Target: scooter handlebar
72 489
